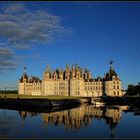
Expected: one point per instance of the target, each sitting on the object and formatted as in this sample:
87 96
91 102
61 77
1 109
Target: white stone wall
55 87
59 87
93 89
21 88
76 87
113 88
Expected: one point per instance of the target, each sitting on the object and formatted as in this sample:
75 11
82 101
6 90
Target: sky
90 34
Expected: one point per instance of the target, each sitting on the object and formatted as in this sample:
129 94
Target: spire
24 70
48 68
73 67
67 65
111 64
24 76
76 67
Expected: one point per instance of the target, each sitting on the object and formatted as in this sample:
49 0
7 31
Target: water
85 121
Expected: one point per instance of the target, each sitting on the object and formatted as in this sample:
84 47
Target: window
91 88
114 87
117 87
78 88
114 93
78 92
118 93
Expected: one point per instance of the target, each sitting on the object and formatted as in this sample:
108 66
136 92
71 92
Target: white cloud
28 26
16 7
21 28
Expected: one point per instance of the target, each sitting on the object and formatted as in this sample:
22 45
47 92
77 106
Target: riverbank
47 103
125 100
40 103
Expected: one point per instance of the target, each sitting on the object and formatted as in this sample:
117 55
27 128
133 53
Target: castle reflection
76 118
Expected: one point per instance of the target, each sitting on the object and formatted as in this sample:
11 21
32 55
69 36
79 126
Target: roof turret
111 72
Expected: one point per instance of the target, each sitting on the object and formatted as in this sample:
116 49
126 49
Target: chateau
73 81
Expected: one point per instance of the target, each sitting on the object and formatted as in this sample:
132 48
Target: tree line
133 89
8 91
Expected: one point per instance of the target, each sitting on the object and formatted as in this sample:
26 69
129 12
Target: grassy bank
39 103
15 96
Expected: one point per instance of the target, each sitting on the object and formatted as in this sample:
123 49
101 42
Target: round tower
22 82
112 83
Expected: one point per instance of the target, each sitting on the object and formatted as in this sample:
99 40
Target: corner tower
112 83
22 82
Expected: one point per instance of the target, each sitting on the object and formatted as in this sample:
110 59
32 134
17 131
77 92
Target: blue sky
34 34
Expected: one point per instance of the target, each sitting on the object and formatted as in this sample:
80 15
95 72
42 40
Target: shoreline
49 104
39 105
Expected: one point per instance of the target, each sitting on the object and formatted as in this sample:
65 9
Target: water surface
86 121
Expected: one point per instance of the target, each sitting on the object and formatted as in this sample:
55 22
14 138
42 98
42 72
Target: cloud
7 59
27 27
14 8
5 53
21 28
7 65
22 47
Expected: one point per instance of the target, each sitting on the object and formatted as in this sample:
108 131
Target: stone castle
73 81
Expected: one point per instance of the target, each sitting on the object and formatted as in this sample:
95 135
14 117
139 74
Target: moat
84 121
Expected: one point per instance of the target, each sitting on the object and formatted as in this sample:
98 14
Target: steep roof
110 75
23 76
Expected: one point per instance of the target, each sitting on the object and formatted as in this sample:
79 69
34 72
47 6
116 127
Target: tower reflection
77 118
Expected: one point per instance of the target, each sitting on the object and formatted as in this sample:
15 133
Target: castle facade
73 81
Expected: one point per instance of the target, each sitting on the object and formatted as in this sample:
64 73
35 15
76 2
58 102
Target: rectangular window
78 92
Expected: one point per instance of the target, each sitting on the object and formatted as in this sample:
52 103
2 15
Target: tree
133 89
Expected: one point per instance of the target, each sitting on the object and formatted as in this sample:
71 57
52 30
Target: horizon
34 34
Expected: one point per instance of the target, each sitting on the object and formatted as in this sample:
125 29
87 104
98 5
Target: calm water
85 121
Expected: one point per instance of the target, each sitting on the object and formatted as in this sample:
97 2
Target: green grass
15 96
8 96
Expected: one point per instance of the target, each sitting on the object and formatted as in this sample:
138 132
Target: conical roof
24 76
